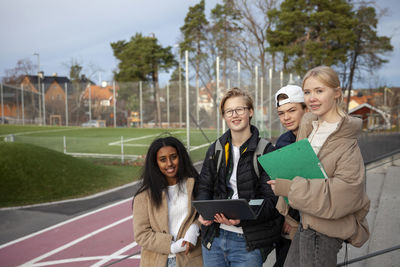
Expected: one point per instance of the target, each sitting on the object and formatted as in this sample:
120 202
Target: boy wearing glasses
227 242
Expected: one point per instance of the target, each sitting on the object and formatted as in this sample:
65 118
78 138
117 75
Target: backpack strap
262 144
217 155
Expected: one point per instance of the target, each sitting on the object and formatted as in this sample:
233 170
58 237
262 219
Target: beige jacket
336 206
150 227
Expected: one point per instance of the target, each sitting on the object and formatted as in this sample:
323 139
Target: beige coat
150 227
336 206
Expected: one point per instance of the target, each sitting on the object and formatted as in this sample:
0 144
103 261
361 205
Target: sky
81 30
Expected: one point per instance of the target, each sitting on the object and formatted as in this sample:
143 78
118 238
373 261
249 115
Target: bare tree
23 67
252 42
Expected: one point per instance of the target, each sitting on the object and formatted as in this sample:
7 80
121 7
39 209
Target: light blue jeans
229 249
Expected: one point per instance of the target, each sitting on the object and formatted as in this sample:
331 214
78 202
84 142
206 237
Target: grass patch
32 174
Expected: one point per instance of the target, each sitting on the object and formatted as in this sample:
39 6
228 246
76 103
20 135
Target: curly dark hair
153 179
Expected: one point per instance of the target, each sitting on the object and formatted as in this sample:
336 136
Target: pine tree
225 24
141 59
309 33
367 48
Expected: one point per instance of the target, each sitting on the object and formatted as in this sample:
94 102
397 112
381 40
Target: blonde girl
332 210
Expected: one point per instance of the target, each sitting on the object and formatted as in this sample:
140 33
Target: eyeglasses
239 111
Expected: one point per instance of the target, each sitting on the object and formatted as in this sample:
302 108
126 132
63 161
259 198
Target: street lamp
38 78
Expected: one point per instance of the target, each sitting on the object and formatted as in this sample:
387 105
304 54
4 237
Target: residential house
364 107
100 101
53 104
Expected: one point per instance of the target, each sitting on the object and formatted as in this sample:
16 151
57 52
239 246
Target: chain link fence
138 104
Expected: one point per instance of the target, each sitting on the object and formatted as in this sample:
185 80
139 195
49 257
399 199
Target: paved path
98 230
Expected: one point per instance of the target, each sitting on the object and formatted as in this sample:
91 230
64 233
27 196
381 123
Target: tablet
232 208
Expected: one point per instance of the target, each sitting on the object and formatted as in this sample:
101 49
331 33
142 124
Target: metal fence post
44 105
187 101
2 105
66 104
168 115
141 104
217 93
256 95
122 149
65 145
23 105
114 106
269 105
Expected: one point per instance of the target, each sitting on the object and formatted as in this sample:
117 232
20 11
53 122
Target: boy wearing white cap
291 108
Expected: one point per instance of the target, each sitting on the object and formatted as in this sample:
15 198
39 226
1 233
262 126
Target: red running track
93 239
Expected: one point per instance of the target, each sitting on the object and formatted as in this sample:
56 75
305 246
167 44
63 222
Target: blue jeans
229 249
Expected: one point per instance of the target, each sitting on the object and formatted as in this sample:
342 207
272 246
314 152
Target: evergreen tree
141 59
194 35
309 33
225 23
367 48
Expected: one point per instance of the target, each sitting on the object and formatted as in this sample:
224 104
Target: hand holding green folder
297 159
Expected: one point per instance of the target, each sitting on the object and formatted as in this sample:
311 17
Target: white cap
295 95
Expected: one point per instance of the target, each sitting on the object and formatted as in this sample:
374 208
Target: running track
93 239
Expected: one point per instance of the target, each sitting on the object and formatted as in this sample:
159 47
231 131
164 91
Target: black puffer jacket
266 229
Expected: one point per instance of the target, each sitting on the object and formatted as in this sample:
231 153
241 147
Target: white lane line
200 146
63 223
76 241
42 131
63 261
93 258
115 254
139 138
136 145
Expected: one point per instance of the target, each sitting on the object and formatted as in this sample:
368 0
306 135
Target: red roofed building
100 101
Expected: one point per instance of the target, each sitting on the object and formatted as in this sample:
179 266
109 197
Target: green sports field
34 168
105 141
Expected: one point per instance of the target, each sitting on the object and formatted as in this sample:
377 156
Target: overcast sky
82 30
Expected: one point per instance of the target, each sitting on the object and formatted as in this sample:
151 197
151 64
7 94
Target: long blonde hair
327 76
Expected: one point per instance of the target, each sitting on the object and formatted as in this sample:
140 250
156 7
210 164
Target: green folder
297 159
